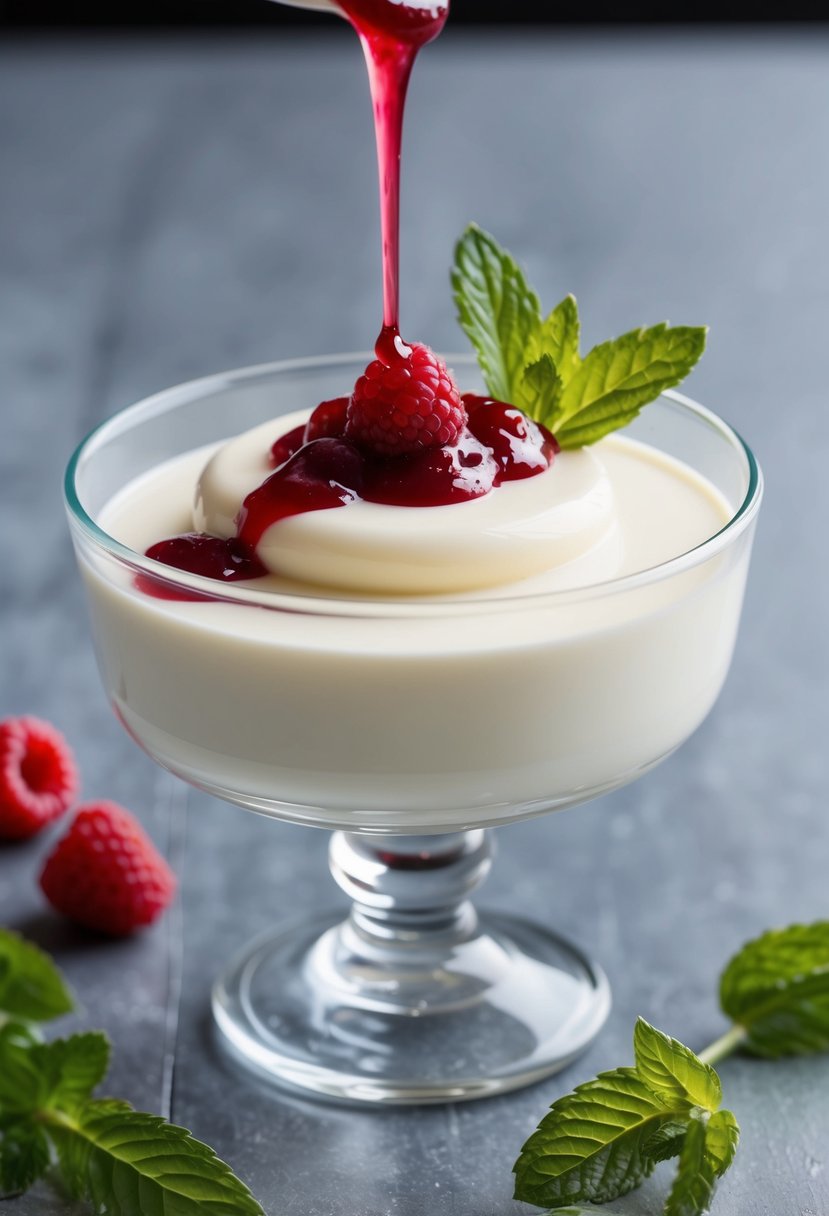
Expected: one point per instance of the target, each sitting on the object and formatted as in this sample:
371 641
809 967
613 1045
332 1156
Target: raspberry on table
106 873
406 406
38 777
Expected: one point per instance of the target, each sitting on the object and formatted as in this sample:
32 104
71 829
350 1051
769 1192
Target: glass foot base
329 1008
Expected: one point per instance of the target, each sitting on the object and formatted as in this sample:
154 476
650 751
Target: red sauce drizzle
315 467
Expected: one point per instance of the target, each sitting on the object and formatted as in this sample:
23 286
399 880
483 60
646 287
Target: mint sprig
534 363
123 1161
605 1138
602 1140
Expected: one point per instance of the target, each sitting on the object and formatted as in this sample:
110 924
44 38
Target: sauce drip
316 467
391 35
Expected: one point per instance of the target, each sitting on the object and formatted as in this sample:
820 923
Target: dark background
37 15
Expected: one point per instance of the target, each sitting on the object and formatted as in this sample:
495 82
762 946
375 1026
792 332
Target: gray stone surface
171 208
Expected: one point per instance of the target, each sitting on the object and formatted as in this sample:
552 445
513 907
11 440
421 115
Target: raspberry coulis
499 444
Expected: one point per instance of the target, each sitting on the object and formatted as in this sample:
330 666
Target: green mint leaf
31 987
558 337
722 1135
73 1067
777 989
24 1157
666 1141
673 1071
618 377
589 1146
128 1163
23 1084
62 1074
23 1033
541 388
497 309
535 364
708 1150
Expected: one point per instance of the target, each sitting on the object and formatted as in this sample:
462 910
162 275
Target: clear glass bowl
410 726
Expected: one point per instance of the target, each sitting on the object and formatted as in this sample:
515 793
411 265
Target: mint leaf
558 336
62 1074
673 1071
24 1157
23 1085
618 377
498 311
535 364
777 988
666 1141
74 1148
31 987
128 1163
589 1146
708 1150
722 1135
541 388
125 1162
606 1137
73 1067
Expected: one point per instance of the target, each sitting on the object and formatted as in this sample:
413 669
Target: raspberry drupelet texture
106 873
38 778
407 406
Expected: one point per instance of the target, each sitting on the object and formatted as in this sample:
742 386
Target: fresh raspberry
106 872
406 406
38 778
327 420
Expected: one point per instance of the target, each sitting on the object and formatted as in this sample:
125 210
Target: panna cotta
434 710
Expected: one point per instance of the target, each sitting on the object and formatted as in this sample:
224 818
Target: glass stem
412 891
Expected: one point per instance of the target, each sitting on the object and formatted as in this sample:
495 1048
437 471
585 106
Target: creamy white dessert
418 713
519 529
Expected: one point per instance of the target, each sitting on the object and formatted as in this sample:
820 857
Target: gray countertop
170 208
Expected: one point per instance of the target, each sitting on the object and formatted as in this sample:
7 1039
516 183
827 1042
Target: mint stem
50 1117
725 1045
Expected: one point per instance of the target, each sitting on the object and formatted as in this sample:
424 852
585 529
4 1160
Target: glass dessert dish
409 726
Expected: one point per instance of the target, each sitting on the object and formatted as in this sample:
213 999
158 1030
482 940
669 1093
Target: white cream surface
438 711
517 530
594 515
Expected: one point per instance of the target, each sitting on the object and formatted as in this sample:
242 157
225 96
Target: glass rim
333 605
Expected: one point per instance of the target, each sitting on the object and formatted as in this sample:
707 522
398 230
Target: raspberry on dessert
327 420
405 406
106 873
38 777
